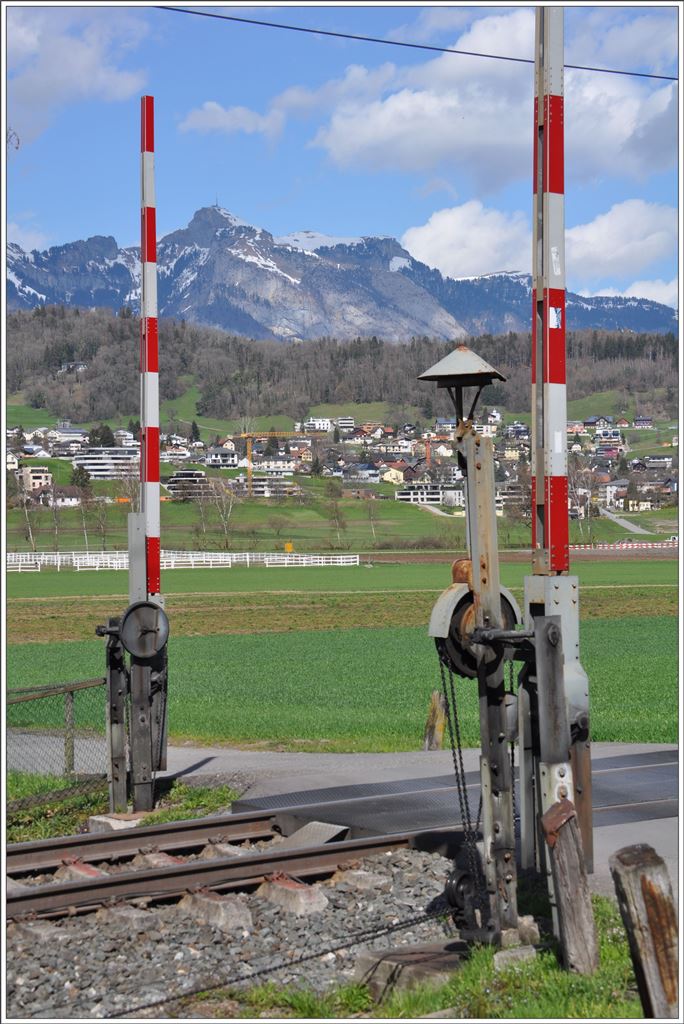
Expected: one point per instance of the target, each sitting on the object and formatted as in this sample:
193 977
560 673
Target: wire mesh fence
55 742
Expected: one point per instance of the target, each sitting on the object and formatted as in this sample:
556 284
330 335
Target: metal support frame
551 591
142 776
495 765
148 679
117 690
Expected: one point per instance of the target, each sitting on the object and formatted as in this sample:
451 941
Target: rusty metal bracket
553 820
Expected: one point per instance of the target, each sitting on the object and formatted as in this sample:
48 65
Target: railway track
163 862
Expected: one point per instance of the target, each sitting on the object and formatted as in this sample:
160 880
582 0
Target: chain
469 834
161 716
511 689
355 939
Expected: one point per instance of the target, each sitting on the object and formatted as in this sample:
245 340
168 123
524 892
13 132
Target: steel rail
219 874
23 858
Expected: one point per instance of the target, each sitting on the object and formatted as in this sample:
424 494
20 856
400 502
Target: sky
293 131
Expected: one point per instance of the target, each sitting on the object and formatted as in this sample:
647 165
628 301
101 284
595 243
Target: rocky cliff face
225 273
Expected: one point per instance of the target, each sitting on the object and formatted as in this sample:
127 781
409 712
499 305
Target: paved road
624 523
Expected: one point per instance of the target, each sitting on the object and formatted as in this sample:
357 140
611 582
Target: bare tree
56 515
128 487
100 515
31 516
336 518
371 509
278 524
84 505
224 499
200 529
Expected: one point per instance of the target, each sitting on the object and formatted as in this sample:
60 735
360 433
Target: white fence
30 561
626 545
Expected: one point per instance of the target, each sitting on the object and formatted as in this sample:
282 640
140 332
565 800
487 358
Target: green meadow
360 689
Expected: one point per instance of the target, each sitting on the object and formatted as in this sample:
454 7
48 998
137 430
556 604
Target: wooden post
434 727
69 752
579 944
644 895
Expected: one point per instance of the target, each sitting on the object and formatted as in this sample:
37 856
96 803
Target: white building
108 463
222 457
486 429
176 453
33 478
318 423
187 484
12 462
63 433
345 422
124 438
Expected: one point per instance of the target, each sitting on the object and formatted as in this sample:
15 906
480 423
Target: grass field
362 689
386 578
339 658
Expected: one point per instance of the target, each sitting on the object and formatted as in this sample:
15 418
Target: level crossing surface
635 787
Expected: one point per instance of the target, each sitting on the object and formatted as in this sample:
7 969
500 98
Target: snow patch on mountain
309 241
397 262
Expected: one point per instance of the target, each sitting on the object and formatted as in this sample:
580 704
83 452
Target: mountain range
222 272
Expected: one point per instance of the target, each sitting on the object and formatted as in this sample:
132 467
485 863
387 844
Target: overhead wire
397 42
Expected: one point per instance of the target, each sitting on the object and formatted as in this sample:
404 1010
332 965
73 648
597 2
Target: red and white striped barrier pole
549 401
149 356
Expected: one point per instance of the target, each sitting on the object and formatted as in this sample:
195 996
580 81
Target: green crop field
362 689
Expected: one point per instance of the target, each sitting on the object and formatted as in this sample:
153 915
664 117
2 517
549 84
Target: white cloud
212 117
59 56
622 242
357 84
666 292
471 239
467 112
27 237
475 115
615 37
431 22
472 114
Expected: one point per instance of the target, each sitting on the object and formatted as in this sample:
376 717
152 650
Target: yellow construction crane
271 433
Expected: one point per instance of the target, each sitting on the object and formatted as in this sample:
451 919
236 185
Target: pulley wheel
459 889
144 629
455 650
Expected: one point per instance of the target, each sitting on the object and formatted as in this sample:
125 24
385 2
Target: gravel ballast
109 963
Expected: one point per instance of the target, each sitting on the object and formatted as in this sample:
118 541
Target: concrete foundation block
126 914
215 850
115 822
36 931
402 968
154 859
364 881
528 930
294 897
15 888
76 871
228 913
506 958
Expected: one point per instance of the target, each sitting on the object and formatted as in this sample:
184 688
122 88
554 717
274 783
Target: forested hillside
242 377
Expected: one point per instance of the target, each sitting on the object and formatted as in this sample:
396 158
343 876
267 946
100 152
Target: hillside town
418 463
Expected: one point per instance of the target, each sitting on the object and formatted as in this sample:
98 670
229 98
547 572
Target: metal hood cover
462 367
